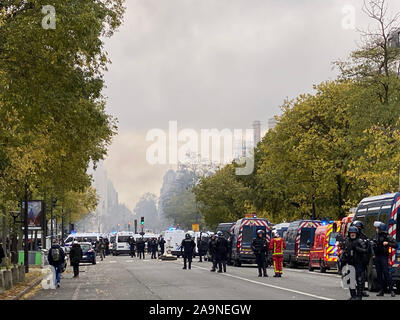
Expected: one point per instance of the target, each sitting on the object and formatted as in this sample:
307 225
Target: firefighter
277 245
353 254
221 251
260 249
187 249
367 257
381 249
212 247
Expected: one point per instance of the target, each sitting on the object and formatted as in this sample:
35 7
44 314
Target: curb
26 290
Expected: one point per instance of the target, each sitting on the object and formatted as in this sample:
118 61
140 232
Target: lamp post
14 252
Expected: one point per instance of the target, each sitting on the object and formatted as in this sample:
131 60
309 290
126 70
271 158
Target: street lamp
14 251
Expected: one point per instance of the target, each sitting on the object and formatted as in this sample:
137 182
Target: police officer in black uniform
132 245
187 248
161 243
354 252
367 256
140 245
381 249
212 247
260 249
221 251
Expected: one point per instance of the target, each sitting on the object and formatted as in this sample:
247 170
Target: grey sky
213 64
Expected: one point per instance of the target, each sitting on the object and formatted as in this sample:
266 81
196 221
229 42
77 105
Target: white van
175 238
91 237
121 244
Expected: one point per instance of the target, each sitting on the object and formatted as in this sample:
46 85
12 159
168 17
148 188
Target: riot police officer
161 243
221 251
212 247
354 252
187 250
367 256
132 244
260 249
381 249
140 246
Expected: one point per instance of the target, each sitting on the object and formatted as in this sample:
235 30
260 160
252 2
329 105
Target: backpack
55 254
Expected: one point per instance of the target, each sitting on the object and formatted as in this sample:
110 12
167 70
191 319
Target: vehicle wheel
310 268
292 264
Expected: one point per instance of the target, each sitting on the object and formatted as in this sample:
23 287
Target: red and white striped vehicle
382 208
299 239
244 231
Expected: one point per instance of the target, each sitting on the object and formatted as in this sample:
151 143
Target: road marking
76 292
113 261
271 286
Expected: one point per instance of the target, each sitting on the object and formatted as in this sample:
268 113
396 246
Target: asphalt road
125 278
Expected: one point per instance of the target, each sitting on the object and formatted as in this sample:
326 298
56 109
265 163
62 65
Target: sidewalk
32 279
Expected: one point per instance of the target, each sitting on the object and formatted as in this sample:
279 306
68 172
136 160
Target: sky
215 64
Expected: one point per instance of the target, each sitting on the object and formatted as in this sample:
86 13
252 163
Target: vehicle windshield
332 238
123 238
85 247
249 233
307 234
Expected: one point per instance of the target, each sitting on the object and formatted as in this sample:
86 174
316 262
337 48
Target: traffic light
142 221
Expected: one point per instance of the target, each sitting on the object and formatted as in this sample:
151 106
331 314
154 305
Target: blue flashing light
170 229
323 223
73 232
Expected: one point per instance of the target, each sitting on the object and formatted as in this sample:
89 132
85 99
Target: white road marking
113 261
76 292
271 286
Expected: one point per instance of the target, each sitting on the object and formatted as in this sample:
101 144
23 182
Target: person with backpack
56 258
100 248
75 255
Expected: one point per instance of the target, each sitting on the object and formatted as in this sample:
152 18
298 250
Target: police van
91 237
121 244
173 237
382 208
244 231
299 239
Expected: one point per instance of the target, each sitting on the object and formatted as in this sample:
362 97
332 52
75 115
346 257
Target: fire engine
323 254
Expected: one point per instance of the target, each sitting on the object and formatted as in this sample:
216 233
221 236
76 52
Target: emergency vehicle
244 231
323 254
299 238
382 208
121 244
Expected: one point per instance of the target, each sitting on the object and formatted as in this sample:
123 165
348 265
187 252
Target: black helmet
220 234
353 229
358 224
260 232
382 227
187 236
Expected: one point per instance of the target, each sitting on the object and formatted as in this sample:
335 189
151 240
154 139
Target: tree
147 208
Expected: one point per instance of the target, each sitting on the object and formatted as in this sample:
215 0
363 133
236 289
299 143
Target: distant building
271 123
257 132
394 39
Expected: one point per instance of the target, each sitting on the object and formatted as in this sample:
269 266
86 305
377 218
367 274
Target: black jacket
379 248
222 247
140 244
161 243
76 254
354 251
212 247
187 246
259 246
2 255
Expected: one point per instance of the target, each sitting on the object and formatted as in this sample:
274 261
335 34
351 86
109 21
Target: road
125 278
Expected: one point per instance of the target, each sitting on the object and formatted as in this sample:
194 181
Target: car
89 254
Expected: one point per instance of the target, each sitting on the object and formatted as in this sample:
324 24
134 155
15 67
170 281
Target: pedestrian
221 251
75 256
107 246
140 245
56 258
161 243
132 245
212 247
367 257
259 246
381 259
154 248
277 245
353 254
100 248
187 250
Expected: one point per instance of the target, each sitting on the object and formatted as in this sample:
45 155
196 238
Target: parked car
89 254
